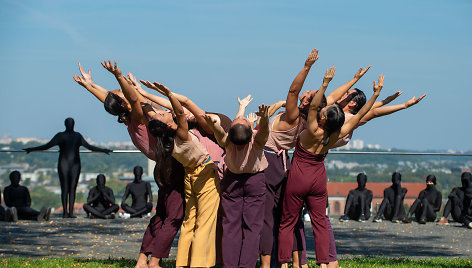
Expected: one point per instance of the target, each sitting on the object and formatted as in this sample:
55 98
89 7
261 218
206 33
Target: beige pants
197 235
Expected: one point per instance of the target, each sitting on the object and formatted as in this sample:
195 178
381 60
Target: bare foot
333 264
154 263
142 261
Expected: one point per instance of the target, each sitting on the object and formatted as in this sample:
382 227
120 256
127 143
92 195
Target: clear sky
214 51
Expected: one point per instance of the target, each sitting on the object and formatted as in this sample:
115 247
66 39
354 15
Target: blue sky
214 51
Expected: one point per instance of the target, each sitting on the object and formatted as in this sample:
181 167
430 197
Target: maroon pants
163 227
306 183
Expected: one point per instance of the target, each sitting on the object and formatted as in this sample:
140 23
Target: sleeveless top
214 150
191 153
141 138
286 139
249 159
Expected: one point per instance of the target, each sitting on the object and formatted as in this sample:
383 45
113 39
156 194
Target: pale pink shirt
249 159
279 141
191 153
141 138
215 151
344 140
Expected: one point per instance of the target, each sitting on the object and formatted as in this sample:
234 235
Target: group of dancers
218 176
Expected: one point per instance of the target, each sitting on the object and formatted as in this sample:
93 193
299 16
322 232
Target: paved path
85 238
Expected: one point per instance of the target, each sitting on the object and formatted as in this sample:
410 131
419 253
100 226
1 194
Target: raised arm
291 107
263 132
312 122
182 126
85 80
136 100
386 110
94 148
157 99
53 142
387 100
242 105
220 134
340 91
349 126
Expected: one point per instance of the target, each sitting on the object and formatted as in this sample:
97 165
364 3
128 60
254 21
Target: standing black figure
68 165
18 200
392 205
358 201
140 191
427 204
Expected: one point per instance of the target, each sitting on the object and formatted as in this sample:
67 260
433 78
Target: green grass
347 262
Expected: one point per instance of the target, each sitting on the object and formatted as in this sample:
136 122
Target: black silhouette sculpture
392 207
427 204
358 201
68 166
140 191
18 200
101 201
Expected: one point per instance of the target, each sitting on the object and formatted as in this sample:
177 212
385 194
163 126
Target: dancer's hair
303 111
113 105
334 121
164 147
240 134
359 99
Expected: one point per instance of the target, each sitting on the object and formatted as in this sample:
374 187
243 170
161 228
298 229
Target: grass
347 262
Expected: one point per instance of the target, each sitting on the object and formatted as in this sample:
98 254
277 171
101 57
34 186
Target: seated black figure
455 202
466 216
101 201
18 200
2 210
392 205
140 192
68 166
358 201
427 204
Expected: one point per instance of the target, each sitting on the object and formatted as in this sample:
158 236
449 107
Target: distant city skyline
214 51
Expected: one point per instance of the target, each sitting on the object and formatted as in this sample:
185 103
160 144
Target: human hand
329 75
134 82
251 118
209 119
361 72
107 151
263 111
87 76
413 101
27 150
379 85
312 57
283 103
149 85
162 89
112 69
80 80
245 102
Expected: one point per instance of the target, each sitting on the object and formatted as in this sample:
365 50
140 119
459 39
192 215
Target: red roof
342 189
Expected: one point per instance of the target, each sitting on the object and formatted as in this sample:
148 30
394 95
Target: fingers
420 98
366 69
80 68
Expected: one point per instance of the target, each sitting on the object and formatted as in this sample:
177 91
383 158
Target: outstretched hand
107 151
414 101
162 89
379 85
263 111
134 82
149 85
251 118
393 96
111 68
87 76
80 80
245 102
312 58
361 72
329 75
209 119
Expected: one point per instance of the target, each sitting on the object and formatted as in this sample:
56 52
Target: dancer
141 194
18 200
243 188
392 205
68 165
358 201
307 177
197 235
101 201
455 202
427 204
162 228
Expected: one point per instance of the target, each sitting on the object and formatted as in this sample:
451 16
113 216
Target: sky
214 51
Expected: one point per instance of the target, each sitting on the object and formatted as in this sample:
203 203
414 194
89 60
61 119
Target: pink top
191 153
284 140
344 140
215 151
141 138
249 159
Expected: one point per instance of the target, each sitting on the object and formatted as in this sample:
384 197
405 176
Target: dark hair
303 112
359 99
15 175
431 178
334 121
113 105
164 146
240 134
